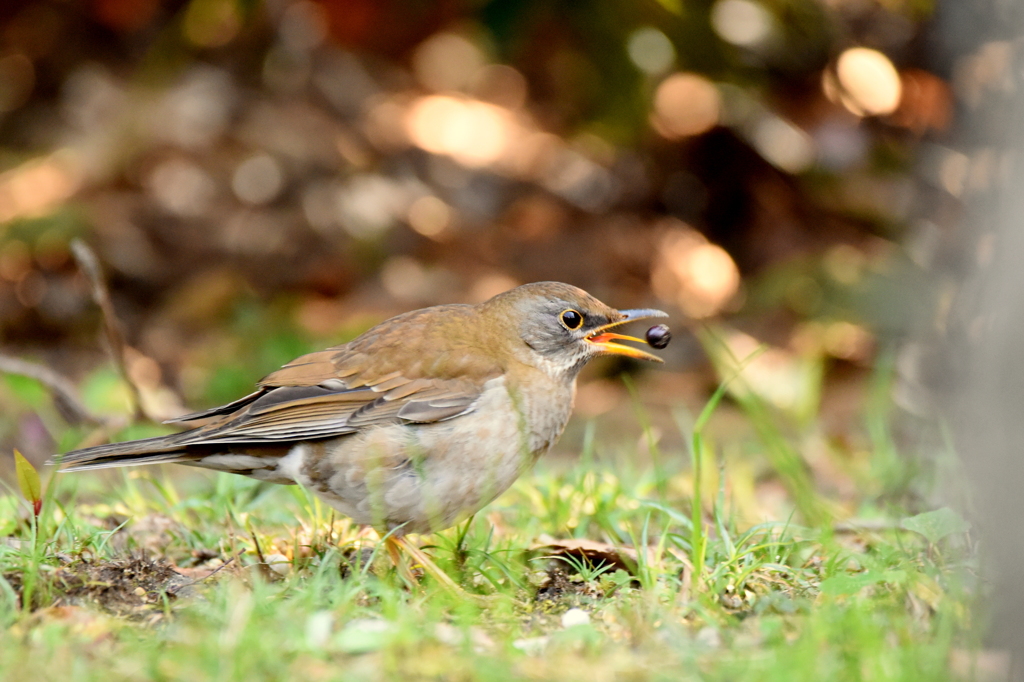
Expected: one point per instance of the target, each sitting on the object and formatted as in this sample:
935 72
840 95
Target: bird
414 425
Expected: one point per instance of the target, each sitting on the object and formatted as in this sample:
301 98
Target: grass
659 570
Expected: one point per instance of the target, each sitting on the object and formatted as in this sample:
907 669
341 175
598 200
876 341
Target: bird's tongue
605 337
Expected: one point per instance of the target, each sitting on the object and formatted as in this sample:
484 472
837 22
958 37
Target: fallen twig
212 573
65 396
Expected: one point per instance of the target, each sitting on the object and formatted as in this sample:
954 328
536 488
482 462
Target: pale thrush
414 425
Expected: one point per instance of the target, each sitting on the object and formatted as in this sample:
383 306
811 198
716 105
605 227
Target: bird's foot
396 546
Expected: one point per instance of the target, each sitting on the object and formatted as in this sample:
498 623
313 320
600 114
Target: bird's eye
571 319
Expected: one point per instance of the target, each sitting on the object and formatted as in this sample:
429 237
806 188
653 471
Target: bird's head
559 327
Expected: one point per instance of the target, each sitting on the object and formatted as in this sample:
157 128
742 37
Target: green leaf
27 391
28 481
935 525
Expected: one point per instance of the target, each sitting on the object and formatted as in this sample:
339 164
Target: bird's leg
396 545
432 569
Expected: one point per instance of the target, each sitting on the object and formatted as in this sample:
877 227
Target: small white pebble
574 617
279 563
318 628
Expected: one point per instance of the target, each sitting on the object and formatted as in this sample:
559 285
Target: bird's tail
132 453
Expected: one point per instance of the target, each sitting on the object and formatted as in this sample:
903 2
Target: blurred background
261 179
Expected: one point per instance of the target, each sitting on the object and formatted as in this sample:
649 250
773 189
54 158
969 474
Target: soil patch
128 587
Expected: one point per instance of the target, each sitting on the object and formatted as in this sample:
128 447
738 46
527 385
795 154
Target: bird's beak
604 340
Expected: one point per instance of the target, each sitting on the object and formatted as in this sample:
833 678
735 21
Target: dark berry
658 336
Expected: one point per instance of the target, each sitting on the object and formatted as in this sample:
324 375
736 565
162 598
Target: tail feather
161 458
132 453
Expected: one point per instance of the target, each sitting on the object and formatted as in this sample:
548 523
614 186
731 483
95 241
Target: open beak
605 340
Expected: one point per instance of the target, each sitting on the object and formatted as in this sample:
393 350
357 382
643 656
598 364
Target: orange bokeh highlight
38 186
685 104
474 133
694 274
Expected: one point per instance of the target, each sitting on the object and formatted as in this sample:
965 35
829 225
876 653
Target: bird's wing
290 413
409 372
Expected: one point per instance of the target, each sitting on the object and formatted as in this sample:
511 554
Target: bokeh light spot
447 61
685 104
651 50
36 187
403 278
491 284
369 204
473 133
870 84
699 277
258 180
741 22
429 216
953 170
182 187
782 144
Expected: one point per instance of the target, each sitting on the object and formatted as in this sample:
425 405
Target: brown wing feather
299 414
313 369
392 374
217 411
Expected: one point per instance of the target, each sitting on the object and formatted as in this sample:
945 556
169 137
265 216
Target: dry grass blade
90 267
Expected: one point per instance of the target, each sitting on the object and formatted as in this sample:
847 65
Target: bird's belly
420 478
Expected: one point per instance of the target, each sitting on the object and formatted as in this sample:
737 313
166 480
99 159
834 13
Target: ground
619 563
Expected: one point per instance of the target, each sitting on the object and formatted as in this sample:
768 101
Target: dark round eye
572 319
